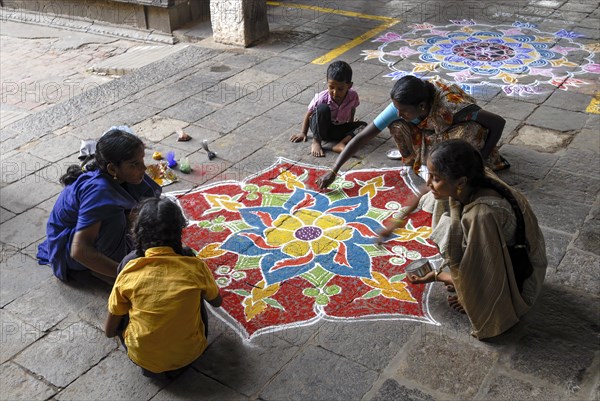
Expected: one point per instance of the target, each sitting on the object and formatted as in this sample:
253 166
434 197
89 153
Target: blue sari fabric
93 197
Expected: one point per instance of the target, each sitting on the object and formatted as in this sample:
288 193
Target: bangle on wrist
437 273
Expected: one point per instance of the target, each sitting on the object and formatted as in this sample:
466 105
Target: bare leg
338 147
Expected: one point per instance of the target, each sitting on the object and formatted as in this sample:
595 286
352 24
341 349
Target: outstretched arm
411 205
495 124
301 137
370 132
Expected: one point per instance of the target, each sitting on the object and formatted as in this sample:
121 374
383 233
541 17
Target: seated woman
479 223
88 226
423 113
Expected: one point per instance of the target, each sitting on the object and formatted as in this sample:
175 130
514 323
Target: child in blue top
330 114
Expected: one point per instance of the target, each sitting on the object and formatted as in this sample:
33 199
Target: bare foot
338 147
316 150
455 304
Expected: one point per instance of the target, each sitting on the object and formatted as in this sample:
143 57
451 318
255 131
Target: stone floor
246 103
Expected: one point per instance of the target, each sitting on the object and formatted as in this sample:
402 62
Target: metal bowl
419 267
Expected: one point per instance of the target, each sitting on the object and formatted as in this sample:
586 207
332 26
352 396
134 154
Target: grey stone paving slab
574 187
584 162
556 245
552 359
197 133
279 66
19 166
20 274
134 58
121 380
90 101
194 385
510 128
250 80
18 384
163 98
580 270
16 335
505 388
326 41
541 139
157 128
385 338
5 215
557 119
588 238
526 163
51 302
302 53
233 362
579 7
233 148
25 229
588 139
441 354
62 356
54 148
556 213
510 107
300 335
188 110
565 314
567 100
224 121
222 94
318 374
569 15
452 325
392 390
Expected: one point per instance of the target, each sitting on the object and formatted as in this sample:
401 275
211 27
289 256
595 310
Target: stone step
135 58
8 117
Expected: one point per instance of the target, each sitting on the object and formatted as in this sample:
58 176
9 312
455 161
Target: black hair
411 91
158 222
340 71
456 158
114 147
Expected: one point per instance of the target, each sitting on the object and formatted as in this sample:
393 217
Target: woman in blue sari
88 225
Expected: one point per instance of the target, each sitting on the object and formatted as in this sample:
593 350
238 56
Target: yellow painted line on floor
326 10
594 106
353 43
387 23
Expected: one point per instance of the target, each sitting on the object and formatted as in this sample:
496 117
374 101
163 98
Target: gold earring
115 177
458 191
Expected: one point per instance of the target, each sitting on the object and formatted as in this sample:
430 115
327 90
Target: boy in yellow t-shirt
162 294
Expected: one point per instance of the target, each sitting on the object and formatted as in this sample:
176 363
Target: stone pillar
239 22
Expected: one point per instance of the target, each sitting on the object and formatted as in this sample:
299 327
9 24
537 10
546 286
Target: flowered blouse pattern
285 254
